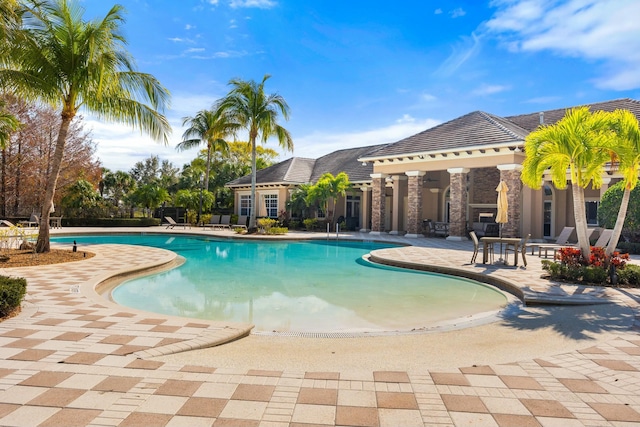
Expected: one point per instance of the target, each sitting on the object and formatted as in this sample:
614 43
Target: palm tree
74 64
579 144
627 152
328 188
209 127
249 107
8 124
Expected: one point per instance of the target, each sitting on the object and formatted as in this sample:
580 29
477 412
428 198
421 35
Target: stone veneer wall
458 205
414 216
514 198
483 191
378 204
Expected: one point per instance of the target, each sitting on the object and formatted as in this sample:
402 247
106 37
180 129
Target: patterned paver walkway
72 358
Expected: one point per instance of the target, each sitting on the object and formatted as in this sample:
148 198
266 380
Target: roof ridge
492 118
587 104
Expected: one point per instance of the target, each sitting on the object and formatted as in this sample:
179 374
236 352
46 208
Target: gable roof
475 129
299 170
531 121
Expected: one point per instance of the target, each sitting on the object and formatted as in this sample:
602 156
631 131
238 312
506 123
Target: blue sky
359 72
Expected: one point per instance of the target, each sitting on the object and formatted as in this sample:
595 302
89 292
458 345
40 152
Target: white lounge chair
172 223
225 222
603 238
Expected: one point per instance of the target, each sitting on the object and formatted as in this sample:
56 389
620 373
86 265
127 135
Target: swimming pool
296 286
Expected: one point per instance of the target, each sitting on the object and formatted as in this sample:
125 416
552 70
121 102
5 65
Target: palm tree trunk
617 229
580 215
252 216
206 184
43 244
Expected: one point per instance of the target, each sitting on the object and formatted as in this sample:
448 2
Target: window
320 213
245 205
591 206
271 205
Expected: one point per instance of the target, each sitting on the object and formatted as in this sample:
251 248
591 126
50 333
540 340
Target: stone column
399 190
365 209
458 203
378 202
510 174
414 208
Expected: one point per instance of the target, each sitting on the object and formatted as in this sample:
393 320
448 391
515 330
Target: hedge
110 222
12 291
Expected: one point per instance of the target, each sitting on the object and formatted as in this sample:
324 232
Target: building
446 174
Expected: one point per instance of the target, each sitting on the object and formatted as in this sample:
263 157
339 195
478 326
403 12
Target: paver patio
73 359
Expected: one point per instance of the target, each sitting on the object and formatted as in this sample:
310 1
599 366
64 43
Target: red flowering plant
575 267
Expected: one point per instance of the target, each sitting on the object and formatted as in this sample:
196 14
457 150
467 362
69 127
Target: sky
365 72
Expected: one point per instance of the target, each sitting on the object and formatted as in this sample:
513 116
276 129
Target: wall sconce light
364 163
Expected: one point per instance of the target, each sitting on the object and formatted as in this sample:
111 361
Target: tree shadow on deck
577 322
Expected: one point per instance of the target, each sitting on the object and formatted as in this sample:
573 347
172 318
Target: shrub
630 275
266 224
594 274
278 230
572 266
311 224
294 224
12 291
110 222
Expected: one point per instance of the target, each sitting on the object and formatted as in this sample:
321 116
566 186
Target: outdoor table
515 241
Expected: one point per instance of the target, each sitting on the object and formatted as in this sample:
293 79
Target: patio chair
241 223
172 223
523 249
476 247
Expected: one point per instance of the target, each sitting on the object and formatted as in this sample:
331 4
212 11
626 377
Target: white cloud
319 143
458 12
489 89
427 97
194 49
260 4
462 52
437 11
605 31
189 27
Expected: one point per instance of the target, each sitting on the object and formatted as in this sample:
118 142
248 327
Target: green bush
110 222
266 224
629 247
593 274
12 291
629 275
278 230
311 224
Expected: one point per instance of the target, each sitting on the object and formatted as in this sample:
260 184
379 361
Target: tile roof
471 130
299 170
531 121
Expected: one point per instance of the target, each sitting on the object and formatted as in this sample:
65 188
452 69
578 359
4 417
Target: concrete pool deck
73 358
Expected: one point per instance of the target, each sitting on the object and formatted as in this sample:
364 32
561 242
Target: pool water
296 286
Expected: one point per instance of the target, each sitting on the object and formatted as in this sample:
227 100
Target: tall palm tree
209 127
627 152
578 144
74 64
250 108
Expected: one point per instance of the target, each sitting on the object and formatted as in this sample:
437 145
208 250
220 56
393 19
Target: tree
578 144
8 124
250 108
328 189
116 186
297 204
210 127
74 64
81 200
150 196
626 146
609 210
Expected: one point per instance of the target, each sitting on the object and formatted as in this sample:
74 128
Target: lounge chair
241 223
172 223
225 222
603 238
34 221
561 242
6 223
562 239
476 247
213 222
